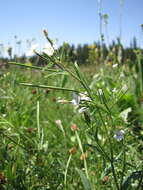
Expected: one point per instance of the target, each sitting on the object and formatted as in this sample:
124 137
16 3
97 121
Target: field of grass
71 128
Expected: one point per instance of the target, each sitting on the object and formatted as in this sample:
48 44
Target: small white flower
114 90
83 109
115 65
77 98
100 91
31 50
48 49
74 102
84 97
58 122
60 126
119 135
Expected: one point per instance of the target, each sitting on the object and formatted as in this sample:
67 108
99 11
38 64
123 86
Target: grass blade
134 176
85 181
49 87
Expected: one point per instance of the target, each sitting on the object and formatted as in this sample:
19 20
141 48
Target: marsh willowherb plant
100 139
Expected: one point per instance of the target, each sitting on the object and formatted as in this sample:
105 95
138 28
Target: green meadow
70 126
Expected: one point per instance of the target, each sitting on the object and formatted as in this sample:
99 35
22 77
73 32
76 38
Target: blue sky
73 21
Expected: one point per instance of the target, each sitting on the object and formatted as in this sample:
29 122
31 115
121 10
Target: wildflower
82 110
84 97
48 49
83 156
73 150
31 50
74 127
114 90
77 98
58 122
60 126
119 135
100 91
115 65
75 102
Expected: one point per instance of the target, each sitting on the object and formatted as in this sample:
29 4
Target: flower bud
73 150
74 127
45 32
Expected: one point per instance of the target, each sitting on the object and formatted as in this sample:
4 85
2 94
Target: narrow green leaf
82 78
85 181
64 80
49 87
32 67
134 176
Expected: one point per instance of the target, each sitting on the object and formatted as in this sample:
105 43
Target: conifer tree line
95 53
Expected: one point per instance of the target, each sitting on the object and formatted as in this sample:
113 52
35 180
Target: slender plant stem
32 67
124 164
81 148
66 170
111 149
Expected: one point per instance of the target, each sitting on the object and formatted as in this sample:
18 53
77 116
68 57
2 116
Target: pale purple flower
119 135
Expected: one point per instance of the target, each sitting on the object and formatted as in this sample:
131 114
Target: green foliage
61 128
